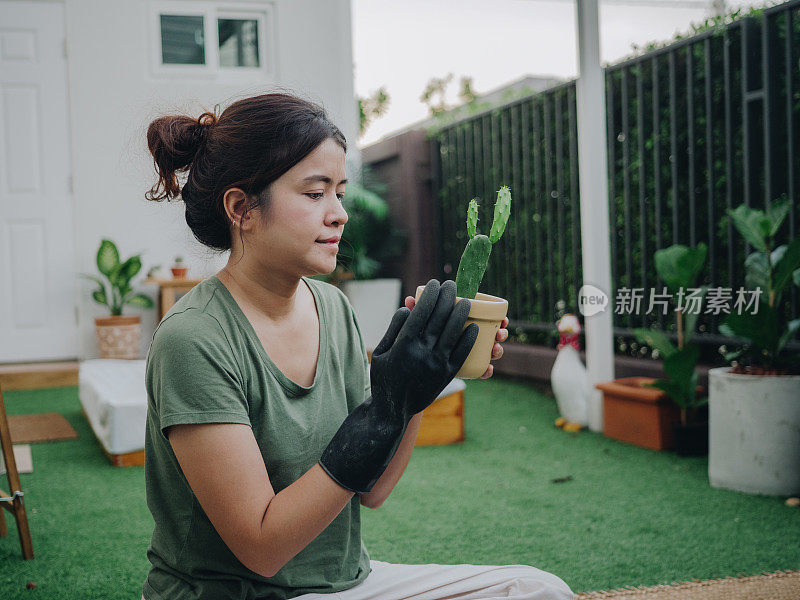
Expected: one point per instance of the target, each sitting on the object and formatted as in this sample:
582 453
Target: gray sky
401 44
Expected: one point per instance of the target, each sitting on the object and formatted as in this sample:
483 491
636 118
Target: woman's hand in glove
422 350
497 349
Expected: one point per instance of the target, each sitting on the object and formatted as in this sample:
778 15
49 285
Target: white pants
389 581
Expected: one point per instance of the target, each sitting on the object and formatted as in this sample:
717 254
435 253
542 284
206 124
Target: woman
260 445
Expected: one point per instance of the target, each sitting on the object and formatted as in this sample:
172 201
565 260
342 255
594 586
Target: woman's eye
340 196
314 195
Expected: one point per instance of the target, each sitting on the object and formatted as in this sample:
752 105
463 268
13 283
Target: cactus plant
476 254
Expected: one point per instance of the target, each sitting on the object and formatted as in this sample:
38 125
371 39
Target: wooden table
170 290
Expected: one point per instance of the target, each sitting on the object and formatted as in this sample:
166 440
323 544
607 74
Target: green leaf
107 257
756 274
753 224
796 277
682 383
365 200
140 300
680 366
127 271
760 328
690 319
680 265
97 280
791 329
655 339
785 267
777 211
100 296
733 354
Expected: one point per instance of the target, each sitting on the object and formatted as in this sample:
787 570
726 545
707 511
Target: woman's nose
340 214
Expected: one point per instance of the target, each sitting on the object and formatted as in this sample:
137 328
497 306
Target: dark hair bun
174 142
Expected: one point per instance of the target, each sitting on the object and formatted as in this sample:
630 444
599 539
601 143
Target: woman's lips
331 244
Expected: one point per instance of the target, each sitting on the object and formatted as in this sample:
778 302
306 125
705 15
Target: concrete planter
374 301
754 432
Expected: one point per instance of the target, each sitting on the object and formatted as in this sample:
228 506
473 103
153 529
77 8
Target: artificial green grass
624 515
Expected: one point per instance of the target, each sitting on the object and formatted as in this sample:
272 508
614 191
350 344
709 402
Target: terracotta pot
488 313
639 415
118 337
179 272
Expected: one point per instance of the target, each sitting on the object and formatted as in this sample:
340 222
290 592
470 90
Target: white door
37 265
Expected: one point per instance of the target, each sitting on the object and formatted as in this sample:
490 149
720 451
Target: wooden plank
26 376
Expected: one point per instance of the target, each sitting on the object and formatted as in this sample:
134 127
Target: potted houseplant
369 240
179 269
485 310
678 267
754 407
117 335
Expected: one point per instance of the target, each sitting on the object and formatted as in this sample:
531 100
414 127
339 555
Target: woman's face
305 207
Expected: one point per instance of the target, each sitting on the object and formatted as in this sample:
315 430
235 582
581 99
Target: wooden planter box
443 421
638 415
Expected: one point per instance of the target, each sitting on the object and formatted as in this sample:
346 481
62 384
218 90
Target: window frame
211 12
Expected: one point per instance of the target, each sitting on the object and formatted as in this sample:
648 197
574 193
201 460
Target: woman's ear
234 203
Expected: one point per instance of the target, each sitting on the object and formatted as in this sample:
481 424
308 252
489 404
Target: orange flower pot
638 415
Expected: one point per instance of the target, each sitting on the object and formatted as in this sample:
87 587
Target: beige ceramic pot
488 313
118 337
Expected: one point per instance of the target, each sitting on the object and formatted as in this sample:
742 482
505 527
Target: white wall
113 98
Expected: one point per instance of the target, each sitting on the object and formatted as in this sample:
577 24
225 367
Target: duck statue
569 378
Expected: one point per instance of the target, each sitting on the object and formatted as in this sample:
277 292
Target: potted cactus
754 407
179 268
486 311
117 335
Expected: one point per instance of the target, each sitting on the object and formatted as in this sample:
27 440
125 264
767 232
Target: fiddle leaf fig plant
370 237
678 267
768 270
118 274
473 262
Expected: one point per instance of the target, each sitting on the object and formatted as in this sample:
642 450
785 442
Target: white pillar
591 105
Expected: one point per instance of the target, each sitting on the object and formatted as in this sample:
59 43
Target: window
238 42
204 40
182 40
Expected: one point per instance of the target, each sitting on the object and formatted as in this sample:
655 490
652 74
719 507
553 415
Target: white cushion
454 386
113 395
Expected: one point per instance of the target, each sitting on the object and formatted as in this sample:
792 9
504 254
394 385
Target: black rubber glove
419 355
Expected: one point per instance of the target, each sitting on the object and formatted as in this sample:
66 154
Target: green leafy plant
678 267
370 237
476 255
118 275
768 271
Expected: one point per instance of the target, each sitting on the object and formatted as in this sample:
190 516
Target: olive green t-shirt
207 365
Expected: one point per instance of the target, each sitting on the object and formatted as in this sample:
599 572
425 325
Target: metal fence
695 128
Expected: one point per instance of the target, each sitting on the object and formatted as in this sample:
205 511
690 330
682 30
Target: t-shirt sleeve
192 375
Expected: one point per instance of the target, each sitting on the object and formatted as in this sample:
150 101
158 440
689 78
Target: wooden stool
13 502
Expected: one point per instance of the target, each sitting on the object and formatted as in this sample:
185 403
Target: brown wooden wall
403 163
